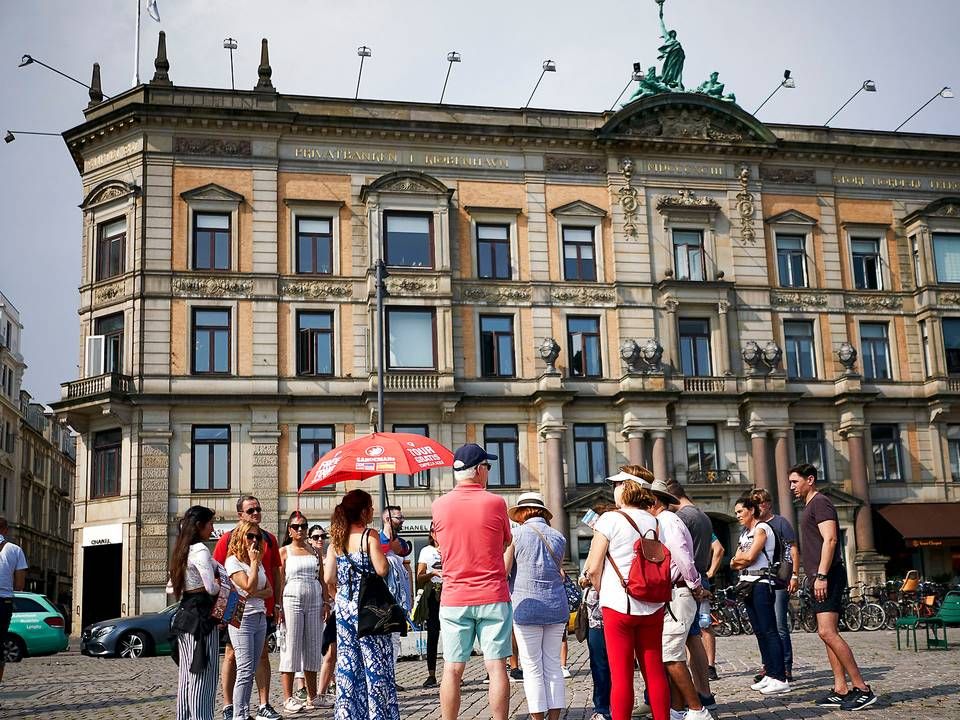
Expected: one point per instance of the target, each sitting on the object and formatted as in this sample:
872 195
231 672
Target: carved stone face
751 353
630 351
549 350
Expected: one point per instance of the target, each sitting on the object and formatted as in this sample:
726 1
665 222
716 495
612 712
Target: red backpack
649 576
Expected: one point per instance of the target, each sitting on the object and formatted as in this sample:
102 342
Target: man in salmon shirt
471 526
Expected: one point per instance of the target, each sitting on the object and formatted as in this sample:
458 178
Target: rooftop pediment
107 191
213 192
406 181
948 207
791 217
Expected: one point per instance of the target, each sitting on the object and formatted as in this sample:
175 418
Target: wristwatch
821 576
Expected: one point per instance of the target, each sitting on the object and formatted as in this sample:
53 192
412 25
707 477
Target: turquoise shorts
492 624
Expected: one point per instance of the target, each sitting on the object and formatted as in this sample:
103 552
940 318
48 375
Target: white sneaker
775 687
565 671
762 683
677 714
701 714
292 706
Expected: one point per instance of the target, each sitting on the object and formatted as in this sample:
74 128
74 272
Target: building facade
675 283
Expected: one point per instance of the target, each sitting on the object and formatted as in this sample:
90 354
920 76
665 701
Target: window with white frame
408 239
800 351
211 241
865 255
791 260
493 251
885 439
314 245
946 257
875 345
925 347
579 256
111 248
411 339
951 344
917 266
688 255
953 447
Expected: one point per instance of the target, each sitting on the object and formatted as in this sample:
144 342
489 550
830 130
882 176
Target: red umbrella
375 454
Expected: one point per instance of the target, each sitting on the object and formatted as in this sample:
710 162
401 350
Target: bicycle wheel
808 620
732 619
721 626
891 613
872 616
852 618
745 623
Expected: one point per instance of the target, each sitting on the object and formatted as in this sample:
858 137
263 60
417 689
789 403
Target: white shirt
12 559
254 605
762 560
621 536
201 570
675 535
430 556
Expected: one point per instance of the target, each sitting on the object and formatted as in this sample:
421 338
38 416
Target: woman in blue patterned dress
366 687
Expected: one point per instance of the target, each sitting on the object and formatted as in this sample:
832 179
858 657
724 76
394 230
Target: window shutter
304 359
94 356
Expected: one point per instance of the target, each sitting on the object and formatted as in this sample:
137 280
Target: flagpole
136 51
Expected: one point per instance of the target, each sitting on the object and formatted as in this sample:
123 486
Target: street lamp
868 85
30 60
364 52
231 45
635 76
548 66
787 82
944 92
12 134
452 57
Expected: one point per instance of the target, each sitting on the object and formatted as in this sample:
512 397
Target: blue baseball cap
469 456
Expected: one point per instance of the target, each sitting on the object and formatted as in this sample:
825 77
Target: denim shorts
491 624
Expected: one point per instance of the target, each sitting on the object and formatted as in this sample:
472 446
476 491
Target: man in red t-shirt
248 508
472 530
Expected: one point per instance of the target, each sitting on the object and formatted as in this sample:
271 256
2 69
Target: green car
37 628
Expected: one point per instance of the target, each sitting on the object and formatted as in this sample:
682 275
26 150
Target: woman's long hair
293 516
356 507
238 540
191 522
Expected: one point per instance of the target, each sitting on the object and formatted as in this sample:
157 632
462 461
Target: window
886 453
313 442
408 239
36 509
579 261
791 262
314 246
422 478
809 444
876 351
946 257
211 459
583 340
111 327
701 449
493 251
105 478
798 337
694 347
504 442
590 454
111 240
925 347
915 252
211 241
410 340
866 263
496 346
27 605
953 445
314 343
951 344
211 341
688 254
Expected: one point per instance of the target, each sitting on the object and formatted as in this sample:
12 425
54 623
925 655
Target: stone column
722 307
555 488
863 526
782 462
635 449
758 450
659 454
671 305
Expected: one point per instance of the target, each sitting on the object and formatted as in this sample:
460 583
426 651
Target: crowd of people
494 577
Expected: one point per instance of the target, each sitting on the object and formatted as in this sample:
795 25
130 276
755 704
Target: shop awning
924 521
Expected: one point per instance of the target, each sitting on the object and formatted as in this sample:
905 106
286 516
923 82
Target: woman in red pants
632 628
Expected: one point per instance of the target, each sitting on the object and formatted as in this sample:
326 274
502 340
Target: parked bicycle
728 614
870 615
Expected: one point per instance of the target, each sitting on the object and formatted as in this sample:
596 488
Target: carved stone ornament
574 164
411 286
752 355
745 207
630 354
211 287
583 295
798 300
772 354
873 302
685 123
315 289
107 293
212 146
788 176
651 354
407 185
549 351
496 294
686 199
847 355
670 304
628 199
951 299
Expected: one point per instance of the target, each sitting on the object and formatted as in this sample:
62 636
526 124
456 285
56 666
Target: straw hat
529 500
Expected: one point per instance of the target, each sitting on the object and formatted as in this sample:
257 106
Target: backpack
649 576
781 566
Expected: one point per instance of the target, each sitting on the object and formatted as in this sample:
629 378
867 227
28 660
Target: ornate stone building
675 283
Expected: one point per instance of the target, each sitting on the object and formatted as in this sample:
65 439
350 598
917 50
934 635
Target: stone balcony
86 398
715 477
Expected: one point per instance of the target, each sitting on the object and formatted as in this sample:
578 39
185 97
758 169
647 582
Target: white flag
152 10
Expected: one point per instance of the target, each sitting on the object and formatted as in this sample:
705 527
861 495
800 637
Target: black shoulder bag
377 610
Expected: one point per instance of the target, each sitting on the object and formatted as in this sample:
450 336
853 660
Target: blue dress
366 687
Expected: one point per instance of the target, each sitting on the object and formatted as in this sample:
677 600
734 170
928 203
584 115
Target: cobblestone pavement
912 686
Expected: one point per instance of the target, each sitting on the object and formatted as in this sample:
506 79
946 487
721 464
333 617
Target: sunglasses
613 483
486 465
317 538
254 536
253 510
299 527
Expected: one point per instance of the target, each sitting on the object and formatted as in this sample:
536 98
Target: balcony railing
953 384
713 477
107 384
411 381
704 384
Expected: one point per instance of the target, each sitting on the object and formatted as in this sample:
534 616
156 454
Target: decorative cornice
411 286
574 164
211 286
951 299
107 292
583 295
212 146
873 302
496 294
686 199
315 288
788 176
797 299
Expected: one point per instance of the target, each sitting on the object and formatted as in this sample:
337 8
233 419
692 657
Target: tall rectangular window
504 442
314 246
876 351
915 252
211 341
694 346
886 453
105 471
590 454
583 340
496 346
111 242
493 251
314 343
866 263
688 255
798 337
111 327
211 241
946 257
420 479
951 344
411 343
925 347
211 458
791 260
313 442
810 447
579 258
408 239
953 445
701 451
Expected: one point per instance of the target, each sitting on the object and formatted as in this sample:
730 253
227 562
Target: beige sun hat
529 500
